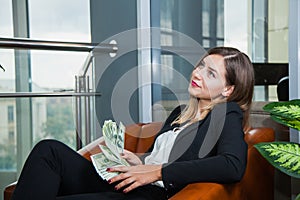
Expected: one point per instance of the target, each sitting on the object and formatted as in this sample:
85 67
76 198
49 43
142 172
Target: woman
202 143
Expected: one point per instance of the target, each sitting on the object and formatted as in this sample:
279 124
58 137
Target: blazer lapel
215 120
184 140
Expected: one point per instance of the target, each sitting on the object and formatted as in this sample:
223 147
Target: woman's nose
199 72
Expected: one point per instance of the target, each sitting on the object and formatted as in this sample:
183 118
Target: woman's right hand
131 158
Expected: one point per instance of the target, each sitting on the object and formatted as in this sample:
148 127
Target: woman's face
208 80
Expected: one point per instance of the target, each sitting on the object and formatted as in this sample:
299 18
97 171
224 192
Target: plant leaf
287 113
284 156
298 197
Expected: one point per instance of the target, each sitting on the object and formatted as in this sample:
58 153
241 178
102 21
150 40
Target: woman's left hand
134 176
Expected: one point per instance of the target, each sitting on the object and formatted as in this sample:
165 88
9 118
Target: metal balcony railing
81 92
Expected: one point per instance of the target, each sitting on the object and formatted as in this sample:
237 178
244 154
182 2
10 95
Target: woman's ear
228 91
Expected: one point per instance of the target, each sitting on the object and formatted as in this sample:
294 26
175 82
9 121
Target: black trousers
53 171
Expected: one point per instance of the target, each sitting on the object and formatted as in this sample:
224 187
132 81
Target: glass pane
40 71
220 42
55 70
175 68
220 19
260 26
261 31
8 108
200 21
8 134
66 20
6 24
54 118
236 25
7 84
206 43
168 9
7 77
52 72
206 18
278 12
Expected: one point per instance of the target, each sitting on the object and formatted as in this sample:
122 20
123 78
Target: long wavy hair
239 73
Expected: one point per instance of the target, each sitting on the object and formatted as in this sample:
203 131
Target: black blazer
211 150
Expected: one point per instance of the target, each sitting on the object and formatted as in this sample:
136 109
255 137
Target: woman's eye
211 74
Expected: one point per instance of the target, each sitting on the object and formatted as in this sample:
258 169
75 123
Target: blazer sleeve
227 165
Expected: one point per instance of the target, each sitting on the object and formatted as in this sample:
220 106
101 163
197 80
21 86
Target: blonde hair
239 73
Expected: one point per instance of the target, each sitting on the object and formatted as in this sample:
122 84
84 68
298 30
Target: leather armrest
92 148
209 191
9 190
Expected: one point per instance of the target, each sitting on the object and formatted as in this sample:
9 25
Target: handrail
24 43
82 90
52 94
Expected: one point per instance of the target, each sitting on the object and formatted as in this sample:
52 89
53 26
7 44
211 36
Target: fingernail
108 169
125 191
116 188
109 181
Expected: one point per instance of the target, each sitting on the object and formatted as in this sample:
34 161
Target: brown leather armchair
257 182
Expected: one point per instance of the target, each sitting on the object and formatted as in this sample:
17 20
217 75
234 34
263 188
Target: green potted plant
285 156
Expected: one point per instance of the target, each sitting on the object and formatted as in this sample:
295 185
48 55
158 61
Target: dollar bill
111 151
101 163
111 136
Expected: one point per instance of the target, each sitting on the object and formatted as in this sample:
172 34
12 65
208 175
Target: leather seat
257 182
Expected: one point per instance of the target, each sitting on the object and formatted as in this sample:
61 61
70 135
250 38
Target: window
40 71
257 27
202 21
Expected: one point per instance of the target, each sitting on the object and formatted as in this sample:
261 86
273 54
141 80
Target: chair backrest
258 180
147 136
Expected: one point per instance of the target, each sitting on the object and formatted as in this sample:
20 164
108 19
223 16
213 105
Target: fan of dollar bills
114 146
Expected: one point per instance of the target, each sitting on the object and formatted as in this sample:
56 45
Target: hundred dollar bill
114 136
112 157
114 146
101 163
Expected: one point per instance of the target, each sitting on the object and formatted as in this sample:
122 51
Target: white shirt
162 148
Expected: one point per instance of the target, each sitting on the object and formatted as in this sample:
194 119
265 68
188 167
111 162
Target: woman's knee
47 144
